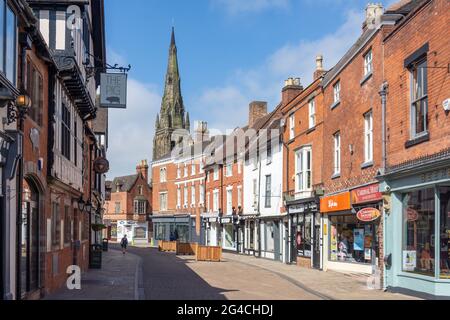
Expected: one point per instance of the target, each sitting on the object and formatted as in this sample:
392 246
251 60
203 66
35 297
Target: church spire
172 115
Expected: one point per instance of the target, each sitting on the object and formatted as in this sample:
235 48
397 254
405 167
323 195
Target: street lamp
88 207
81 204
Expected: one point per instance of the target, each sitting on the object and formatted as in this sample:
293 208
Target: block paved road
166 276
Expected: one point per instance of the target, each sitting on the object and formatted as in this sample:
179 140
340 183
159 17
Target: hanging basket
98 227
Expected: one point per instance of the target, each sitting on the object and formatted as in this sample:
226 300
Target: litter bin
105 244
95 261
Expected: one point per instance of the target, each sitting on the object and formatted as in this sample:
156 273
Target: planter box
188 249
167 246
213 254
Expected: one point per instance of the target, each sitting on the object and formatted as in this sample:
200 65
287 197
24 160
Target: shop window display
419 232
444 197
303 236
229 236
353 241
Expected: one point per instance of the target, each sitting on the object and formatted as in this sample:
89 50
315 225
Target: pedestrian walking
124 244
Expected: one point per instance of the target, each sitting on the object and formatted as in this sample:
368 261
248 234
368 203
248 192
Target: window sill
366 165
366 77
335 176
310 130
417 140
335 105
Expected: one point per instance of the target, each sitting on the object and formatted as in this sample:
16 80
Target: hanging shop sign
113 90
339 202
368 214
101 165
367 194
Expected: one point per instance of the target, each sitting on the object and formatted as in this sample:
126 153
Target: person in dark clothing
124 244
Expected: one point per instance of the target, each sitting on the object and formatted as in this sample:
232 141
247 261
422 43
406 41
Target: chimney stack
201 132
319 67
374 12
142 168
292 88
257 110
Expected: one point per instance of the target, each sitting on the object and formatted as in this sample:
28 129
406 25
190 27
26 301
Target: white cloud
131 130
228 105
245 6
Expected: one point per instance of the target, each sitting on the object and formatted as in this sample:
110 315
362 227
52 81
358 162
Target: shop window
419 232
140 233
229 236
445 232
182 233
160 231
270 243
352 241
114 231
303 235
252 235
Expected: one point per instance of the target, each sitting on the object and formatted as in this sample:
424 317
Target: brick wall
403 42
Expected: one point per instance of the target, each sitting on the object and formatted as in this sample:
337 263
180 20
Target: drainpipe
383 94
259 209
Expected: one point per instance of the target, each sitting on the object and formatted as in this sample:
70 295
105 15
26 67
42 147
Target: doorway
29 244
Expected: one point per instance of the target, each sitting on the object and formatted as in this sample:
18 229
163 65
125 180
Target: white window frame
193 194
179 197
229 170
303 169
239 190
368 137
163 175
216 173
337 92
312 113
291 126
202 194
216 201
178 172
337 153
208 201
163 205
193 169
186 171
229 201
368 63
185 196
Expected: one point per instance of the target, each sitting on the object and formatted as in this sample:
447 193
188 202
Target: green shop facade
417 227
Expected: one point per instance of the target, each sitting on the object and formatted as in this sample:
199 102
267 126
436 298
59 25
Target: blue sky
230 53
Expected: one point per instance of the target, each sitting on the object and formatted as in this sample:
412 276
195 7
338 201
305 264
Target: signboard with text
340 202
113 90
367 194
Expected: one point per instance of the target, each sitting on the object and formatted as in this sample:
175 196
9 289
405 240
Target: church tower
172 115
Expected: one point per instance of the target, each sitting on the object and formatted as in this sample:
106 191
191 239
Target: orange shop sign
368 214
339 202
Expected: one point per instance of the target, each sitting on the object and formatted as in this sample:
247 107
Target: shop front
136 232
305 234
211 226
229 234
417 231
172 227
250 246
351 231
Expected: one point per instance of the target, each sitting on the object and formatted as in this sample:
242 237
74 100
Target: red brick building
303 112
128 206
416 176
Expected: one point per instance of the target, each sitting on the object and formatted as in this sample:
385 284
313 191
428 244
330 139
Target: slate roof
125 183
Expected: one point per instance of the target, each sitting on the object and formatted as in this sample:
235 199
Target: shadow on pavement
167 277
